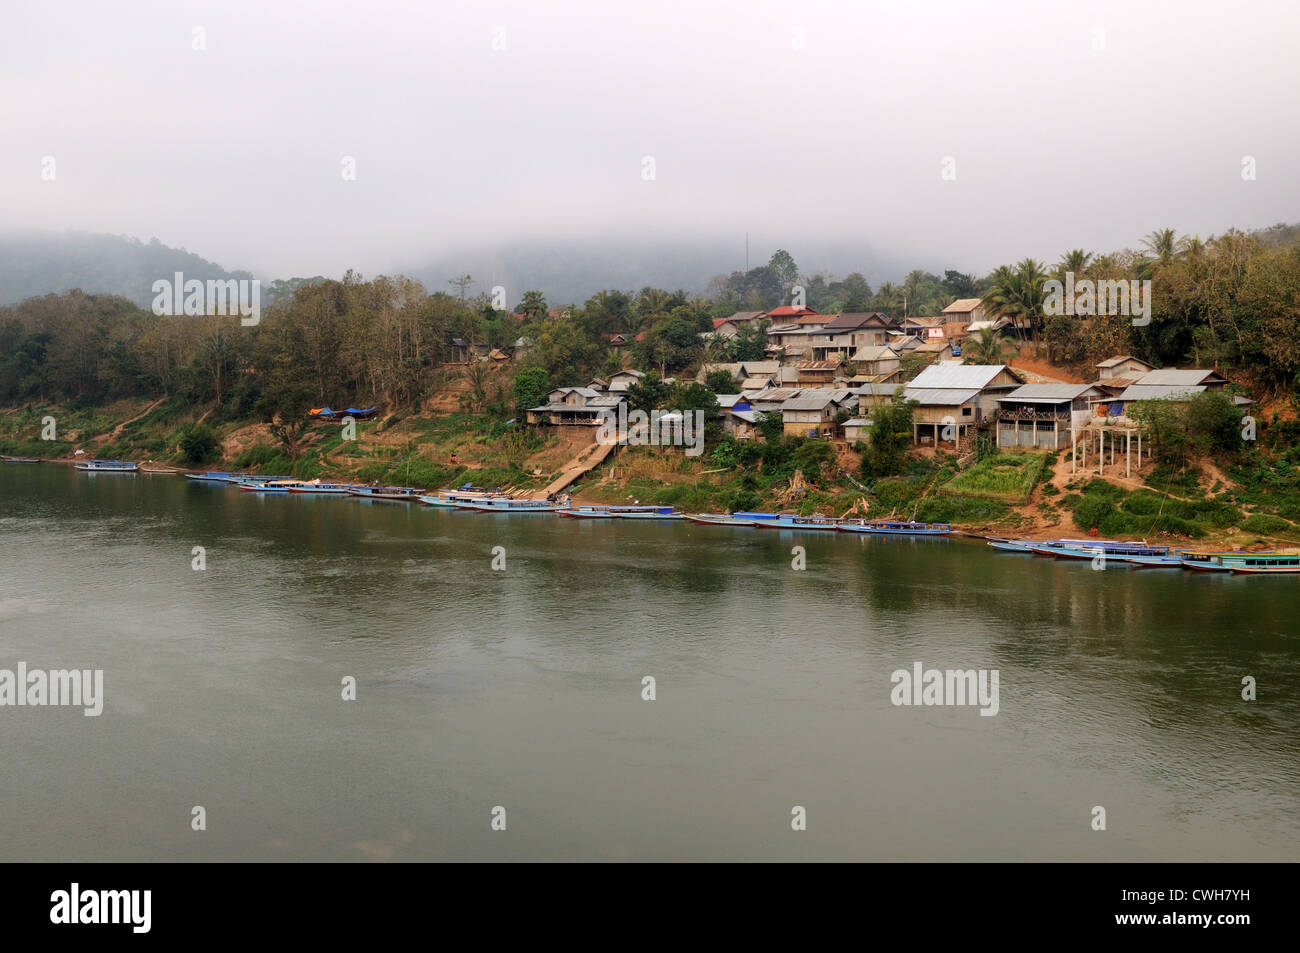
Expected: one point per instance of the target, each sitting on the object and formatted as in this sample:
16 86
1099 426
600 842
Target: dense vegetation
1231 301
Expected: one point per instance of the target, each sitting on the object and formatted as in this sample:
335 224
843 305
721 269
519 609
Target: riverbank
1034 495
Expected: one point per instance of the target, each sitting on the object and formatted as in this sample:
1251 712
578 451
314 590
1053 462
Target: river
522 689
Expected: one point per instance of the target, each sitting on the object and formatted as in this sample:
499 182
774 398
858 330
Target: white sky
235 152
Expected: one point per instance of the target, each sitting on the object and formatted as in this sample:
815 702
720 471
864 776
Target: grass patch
1004 477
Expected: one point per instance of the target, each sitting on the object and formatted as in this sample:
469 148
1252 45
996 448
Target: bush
744 500
199 444
812 456
1268 525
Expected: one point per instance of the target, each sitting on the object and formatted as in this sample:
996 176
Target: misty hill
42 263
569 271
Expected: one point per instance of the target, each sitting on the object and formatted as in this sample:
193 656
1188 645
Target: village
824 374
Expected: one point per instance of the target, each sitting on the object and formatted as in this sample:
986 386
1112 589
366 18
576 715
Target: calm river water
522 689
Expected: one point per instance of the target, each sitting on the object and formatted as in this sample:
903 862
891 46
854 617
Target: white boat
449 498
508 505
336 489
107 466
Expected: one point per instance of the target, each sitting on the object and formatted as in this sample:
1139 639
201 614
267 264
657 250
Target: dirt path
117 431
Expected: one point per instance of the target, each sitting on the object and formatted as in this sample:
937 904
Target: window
966 411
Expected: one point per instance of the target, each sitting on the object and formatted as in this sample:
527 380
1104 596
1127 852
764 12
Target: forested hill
43 263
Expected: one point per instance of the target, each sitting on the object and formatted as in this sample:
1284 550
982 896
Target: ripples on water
477 688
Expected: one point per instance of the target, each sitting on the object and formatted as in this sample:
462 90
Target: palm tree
1163 243
1076 260
1017 293
989 347
533 305
913 288
1191 247
888 299
652 303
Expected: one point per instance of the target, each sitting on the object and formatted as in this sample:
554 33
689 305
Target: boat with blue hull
894 528
107 466
512 506
1012 545
732 519
325 489
211 477
790 521
466 494
1172 561
1112 549
1244 563
269 486
392 494
589 512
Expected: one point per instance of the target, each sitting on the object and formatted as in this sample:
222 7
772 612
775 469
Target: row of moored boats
1140 554
1134 553
469 497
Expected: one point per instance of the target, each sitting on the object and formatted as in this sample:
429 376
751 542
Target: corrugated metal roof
879 390
962 304
758 368
748 416
808 400
819 365
727 400
755 383
880 353
1113 361
1047 393
1173 376
958 375
943 396
854 320
1158 391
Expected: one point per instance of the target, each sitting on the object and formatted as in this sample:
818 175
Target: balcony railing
1007 414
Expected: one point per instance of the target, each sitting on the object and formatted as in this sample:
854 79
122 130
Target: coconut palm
1076 260
987 347
652 303
1191 247
1016 293
1163 243
889 299
913 291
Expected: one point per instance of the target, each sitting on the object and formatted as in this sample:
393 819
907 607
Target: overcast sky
806 124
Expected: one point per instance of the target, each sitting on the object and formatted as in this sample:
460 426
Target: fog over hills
39 263
566 270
